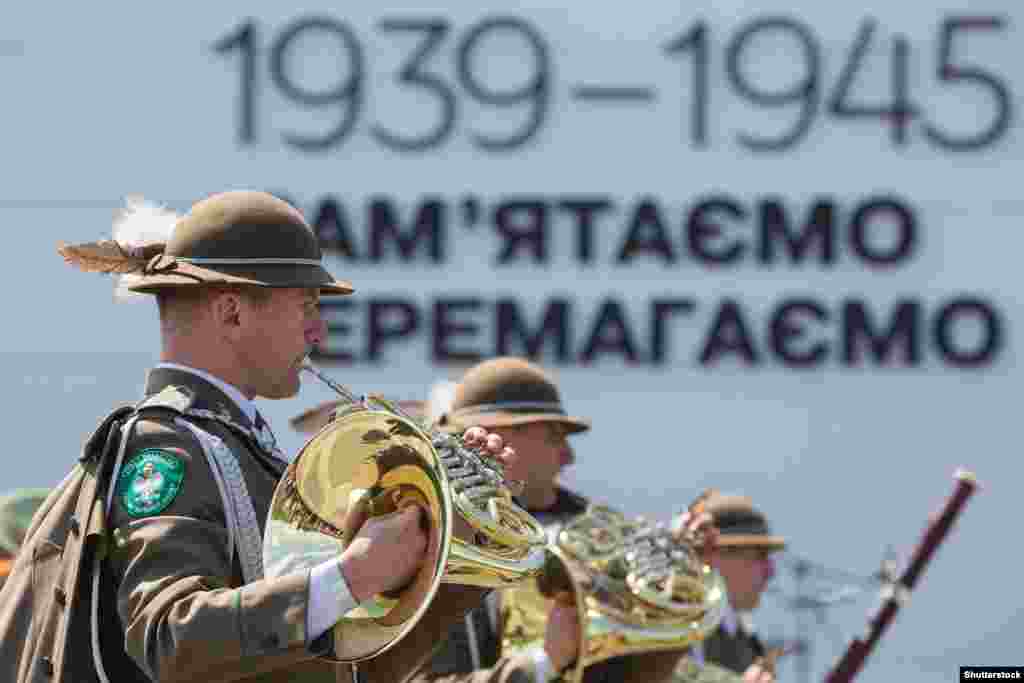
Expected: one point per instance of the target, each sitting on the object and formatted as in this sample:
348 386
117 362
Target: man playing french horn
741 552
145 563
517 400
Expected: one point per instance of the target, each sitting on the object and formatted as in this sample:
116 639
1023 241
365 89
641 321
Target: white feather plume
441 399
140 222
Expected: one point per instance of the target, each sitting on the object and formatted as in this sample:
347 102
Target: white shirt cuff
329 598
543 669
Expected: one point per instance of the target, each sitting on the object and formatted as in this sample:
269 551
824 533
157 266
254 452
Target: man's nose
769 568
568 457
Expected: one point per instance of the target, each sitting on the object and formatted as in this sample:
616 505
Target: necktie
265 436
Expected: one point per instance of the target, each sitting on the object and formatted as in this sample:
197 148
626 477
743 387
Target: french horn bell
635 586
372 459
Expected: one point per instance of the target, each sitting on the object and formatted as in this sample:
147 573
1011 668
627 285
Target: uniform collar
212 393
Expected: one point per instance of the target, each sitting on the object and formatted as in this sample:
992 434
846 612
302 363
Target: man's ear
226 308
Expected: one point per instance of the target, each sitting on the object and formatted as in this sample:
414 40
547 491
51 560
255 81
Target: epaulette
178 399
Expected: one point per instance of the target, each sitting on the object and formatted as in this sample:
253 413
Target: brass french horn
372 459
636 589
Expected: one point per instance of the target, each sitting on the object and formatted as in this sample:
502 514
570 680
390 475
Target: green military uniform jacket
723 658
734 651
174 605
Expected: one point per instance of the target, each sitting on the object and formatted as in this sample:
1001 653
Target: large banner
771 247
712 149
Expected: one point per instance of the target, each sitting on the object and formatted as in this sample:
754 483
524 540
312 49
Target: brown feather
106 256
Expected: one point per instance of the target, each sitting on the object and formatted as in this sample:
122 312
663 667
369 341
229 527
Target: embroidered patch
150 481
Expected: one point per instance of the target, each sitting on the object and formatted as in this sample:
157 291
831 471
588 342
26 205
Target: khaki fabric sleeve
186 618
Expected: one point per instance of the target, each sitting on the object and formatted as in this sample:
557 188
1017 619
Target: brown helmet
740 524
239 237
504 392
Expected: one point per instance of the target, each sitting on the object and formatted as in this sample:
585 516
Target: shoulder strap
243 526
97 655
126 430
171 397
101 440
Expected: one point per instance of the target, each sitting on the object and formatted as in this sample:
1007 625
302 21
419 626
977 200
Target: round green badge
150 481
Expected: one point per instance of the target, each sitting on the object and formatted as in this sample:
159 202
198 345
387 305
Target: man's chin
283 391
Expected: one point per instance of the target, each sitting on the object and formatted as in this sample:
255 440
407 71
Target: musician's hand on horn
389 549
386 553
698 530
490 443
696 527
562 634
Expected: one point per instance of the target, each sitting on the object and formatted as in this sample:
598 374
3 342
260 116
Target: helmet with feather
230 238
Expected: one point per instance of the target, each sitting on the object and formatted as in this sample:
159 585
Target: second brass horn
372 459
635 587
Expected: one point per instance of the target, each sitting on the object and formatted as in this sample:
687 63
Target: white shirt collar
729 622
232 392
733 619
746 619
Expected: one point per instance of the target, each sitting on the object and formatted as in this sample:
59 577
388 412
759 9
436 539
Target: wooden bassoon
938 528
